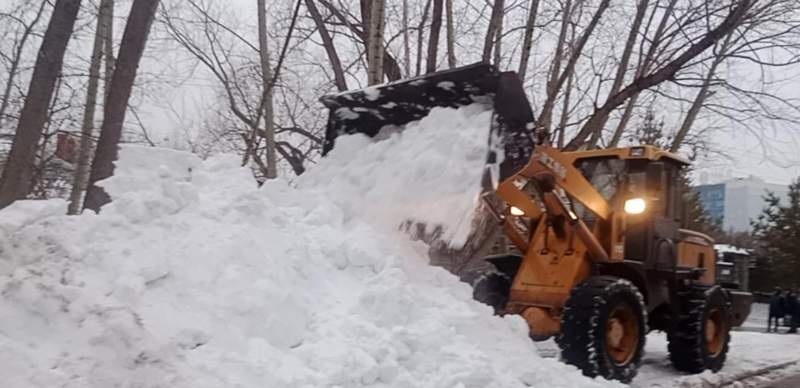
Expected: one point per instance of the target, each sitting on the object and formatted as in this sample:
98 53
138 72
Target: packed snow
195 277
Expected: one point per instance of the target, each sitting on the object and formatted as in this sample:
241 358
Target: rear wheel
699 339
603 328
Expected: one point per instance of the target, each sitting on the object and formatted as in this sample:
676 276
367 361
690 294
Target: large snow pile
194 277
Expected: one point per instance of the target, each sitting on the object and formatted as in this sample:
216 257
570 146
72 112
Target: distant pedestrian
793 309
777 310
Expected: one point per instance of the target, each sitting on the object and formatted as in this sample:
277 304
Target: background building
736 201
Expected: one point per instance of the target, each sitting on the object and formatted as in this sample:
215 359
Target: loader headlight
515 211
635 206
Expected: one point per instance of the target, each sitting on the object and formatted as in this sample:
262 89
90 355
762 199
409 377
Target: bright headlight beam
635 206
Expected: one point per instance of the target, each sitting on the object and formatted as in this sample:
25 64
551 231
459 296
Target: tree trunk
130 53
375 43
450 31
406 41
266 85
421 35
433 41
108 48
16 58
527 40
15 182
619 77
85 150
498 40
491 31
731 21
562 124
327 43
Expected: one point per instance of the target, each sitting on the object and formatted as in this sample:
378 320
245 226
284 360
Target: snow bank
194 277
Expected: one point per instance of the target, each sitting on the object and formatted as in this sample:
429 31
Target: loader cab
642 185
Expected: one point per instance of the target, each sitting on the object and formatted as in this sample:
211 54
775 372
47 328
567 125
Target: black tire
689 348
491 288
590 312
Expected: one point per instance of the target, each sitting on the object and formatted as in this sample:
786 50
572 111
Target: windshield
606 175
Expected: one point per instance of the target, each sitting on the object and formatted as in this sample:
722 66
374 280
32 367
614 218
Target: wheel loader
603 258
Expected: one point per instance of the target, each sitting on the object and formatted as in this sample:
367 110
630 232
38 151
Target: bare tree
622 69
330 48
131 48
645 63
15 182
495 22
421 35
15 59
734 17
450 31
527 40
375 42
433 42
557 82
85 150
266 81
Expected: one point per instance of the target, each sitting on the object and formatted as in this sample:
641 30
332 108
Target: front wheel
491 288
603 328
699 338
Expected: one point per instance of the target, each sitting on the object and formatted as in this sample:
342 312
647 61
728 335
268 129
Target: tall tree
622 68
495 22
15 182
777 235
433 42
15 58
87 127
267 93
131 48
736 14
375 48
527 40
330 48
557 79
450 31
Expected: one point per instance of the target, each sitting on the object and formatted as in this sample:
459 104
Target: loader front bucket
394 104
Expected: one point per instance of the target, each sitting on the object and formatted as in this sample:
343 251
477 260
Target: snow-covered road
749 352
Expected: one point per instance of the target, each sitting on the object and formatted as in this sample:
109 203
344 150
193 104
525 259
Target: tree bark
87 127
16 58
131 48
406 41
624 61
527 40
732 20
108 49
266 85
375 43
327 43
450 31
433 41
498 40
491 31
421 35
15 182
